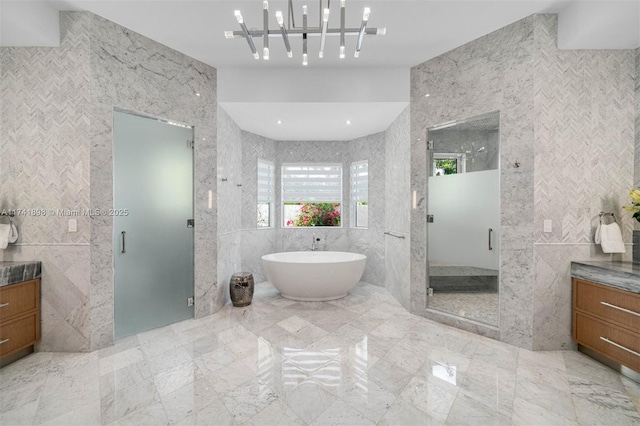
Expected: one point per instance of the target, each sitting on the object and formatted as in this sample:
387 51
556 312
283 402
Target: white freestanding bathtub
314 275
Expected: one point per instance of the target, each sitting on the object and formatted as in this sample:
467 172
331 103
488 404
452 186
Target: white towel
611 238
5 233
597 237
14 233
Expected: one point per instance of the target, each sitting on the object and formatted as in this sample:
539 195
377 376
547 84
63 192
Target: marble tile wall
59 112
230 180
584 136
546 98
370 241
636 232
584 151
135 73
491 73
397 206
255 242
44 147
637 118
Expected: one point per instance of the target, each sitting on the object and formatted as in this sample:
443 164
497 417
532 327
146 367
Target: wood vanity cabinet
607 320
19 316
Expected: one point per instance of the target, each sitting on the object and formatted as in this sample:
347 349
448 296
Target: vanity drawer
18 299
606 303
614 342
19 333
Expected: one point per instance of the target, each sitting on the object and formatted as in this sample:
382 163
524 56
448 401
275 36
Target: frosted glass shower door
153 200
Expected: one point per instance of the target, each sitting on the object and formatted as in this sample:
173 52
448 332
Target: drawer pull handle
3 341
620 309
2 305
617 345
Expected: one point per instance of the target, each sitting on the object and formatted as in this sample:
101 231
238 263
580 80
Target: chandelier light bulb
256 55
325 15
304 9
228 34
381 31
279 18
343 3
265 53
265 5
341 52
366 13
304 59
356 54
238 16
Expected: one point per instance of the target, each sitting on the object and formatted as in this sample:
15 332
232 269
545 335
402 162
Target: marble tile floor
481 307
361 360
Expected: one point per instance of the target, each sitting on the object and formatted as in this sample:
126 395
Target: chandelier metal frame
291 30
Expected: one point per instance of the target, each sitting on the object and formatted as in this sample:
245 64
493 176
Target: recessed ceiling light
426 96
197 94
348 122
279 121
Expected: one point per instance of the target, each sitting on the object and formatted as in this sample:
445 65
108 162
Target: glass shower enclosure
152 223
464 217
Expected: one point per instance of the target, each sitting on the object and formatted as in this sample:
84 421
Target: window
266 191
449 163
311 194
360 194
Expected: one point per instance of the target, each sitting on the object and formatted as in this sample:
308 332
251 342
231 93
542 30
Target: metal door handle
123 242
618 345
490 232
2 305
616 307
3 341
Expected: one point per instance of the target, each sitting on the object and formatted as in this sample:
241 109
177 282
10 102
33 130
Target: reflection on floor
359 360
481 307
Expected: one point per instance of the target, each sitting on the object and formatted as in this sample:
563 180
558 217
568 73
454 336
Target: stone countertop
15 272
622 275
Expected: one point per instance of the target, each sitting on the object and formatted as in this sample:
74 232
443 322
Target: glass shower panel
464 218
153 242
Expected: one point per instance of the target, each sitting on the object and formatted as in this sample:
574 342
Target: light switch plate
548 226
73 225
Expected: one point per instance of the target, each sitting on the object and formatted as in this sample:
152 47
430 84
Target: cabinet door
18 299
609 304
616 343
19 333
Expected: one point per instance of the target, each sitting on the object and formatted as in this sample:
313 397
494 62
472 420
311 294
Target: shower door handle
490 232
123 242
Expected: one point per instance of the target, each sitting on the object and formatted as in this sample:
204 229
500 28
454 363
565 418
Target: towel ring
603 214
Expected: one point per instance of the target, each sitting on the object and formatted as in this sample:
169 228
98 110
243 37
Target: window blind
312 183
360 181
266 182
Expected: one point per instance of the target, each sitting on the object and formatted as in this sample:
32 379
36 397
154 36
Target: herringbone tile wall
637 137
584 164
44 142
584 136
55 153
44 164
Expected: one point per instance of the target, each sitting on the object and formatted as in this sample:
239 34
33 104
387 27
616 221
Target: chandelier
304 31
